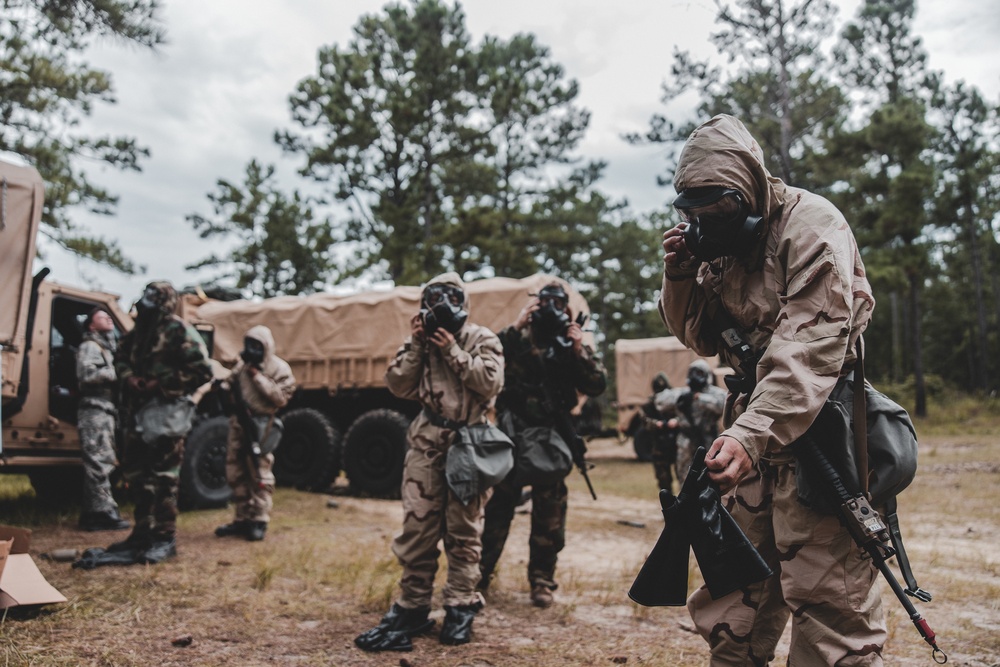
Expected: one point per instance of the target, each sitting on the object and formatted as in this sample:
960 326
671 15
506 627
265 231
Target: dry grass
325 574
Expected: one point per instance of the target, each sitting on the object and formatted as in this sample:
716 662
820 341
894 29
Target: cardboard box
20 581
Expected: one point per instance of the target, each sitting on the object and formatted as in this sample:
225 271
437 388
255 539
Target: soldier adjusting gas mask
698 376
720 222
253 352
443 306
549 322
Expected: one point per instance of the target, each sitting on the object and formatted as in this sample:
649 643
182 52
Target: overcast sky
211 98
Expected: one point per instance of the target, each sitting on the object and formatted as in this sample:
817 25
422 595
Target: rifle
577 447
869 532
697 520
251 436
563 425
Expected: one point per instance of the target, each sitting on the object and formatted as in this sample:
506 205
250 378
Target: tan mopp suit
801 294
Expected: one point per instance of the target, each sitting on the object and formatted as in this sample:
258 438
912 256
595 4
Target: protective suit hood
263 335
722 153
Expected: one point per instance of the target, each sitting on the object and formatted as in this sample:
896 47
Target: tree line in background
433 152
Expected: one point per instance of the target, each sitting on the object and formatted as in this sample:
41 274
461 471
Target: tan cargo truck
41 327
637 361
342 415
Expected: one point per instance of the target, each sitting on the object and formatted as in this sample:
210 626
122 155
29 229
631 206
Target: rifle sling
860 419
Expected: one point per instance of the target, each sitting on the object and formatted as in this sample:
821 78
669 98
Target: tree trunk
920 389
979 378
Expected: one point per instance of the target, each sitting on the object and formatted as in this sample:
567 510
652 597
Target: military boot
234 529
256 530
162 549
96 521
457 626
394 631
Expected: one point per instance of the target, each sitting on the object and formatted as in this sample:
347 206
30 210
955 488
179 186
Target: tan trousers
821 582
432 514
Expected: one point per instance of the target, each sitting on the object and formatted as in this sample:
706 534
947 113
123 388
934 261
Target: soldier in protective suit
547 364
455 370
697 407
96 418
160 363
783 263
266 384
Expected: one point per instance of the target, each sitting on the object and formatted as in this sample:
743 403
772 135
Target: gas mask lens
719 222
443 294
728 208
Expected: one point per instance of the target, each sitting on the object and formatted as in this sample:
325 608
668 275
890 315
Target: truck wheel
373 452
57 486
203 471
308 456
642 442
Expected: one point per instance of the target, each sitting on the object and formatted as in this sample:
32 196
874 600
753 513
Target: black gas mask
549 322
719 222
147 306
697 379
253 352
443 307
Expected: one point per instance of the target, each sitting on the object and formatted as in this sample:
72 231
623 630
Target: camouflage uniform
535 386
802 297
459 383
96 416
264 394
663 452
164 348
706 408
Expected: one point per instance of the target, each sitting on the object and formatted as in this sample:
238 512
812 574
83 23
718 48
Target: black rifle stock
696 518
869 532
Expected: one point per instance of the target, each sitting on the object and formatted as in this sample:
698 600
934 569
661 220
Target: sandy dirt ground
325 574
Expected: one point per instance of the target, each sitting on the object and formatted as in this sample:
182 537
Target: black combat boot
457 626
235 529
256 530
95 521
162 549
394 631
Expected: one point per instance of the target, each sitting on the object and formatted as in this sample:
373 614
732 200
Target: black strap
860 419
442 422
892 522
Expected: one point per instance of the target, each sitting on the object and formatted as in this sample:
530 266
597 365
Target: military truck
342 415
40 331
637 361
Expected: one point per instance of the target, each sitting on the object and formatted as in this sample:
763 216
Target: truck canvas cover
21 193
343 342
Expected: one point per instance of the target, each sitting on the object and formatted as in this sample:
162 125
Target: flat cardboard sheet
21 583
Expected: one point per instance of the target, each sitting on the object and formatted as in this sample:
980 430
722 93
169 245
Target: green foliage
281 248
442 150
777 85
46 89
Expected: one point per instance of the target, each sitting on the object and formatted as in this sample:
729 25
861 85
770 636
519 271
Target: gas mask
443 308
719 222
253 352
697 379
549 322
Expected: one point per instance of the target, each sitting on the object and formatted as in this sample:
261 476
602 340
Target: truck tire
203 482
308 457
642 443
57 486
374 449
